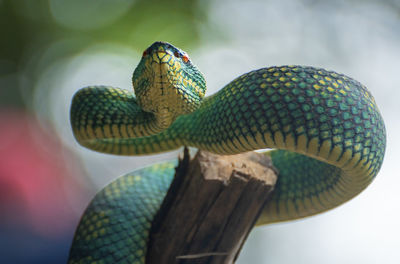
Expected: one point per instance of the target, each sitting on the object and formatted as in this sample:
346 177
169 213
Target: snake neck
163 119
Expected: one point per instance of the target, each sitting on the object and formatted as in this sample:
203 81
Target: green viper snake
327 132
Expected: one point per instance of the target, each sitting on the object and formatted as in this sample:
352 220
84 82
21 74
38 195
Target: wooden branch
210 208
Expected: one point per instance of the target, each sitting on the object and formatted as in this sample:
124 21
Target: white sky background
358 38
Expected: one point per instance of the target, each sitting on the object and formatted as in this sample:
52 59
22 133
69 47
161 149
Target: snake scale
326 131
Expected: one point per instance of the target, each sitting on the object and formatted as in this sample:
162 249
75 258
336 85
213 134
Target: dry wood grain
210 208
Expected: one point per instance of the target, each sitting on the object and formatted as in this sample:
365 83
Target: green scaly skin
327 128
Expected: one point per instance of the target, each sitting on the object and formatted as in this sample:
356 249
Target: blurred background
51 48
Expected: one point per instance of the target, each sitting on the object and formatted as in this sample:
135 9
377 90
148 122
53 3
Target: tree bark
210 208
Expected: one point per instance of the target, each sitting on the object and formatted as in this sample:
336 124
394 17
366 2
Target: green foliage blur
43 185
30 28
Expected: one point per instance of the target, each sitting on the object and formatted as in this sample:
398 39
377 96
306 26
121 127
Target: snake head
166 82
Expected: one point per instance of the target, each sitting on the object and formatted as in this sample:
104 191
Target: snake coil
327 132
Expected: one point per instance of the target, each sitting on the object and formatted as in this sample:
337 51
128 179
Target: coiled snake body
328 132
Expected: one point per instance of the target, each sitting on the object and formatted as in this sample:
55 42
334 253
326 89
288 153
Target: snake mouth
164 66
164 69
158 89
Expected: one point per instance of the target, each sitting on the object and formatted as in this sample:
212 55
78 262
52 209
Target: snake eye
185 58
145 53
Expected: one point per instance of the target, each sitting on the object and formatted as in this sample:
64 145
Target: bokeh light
86 14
